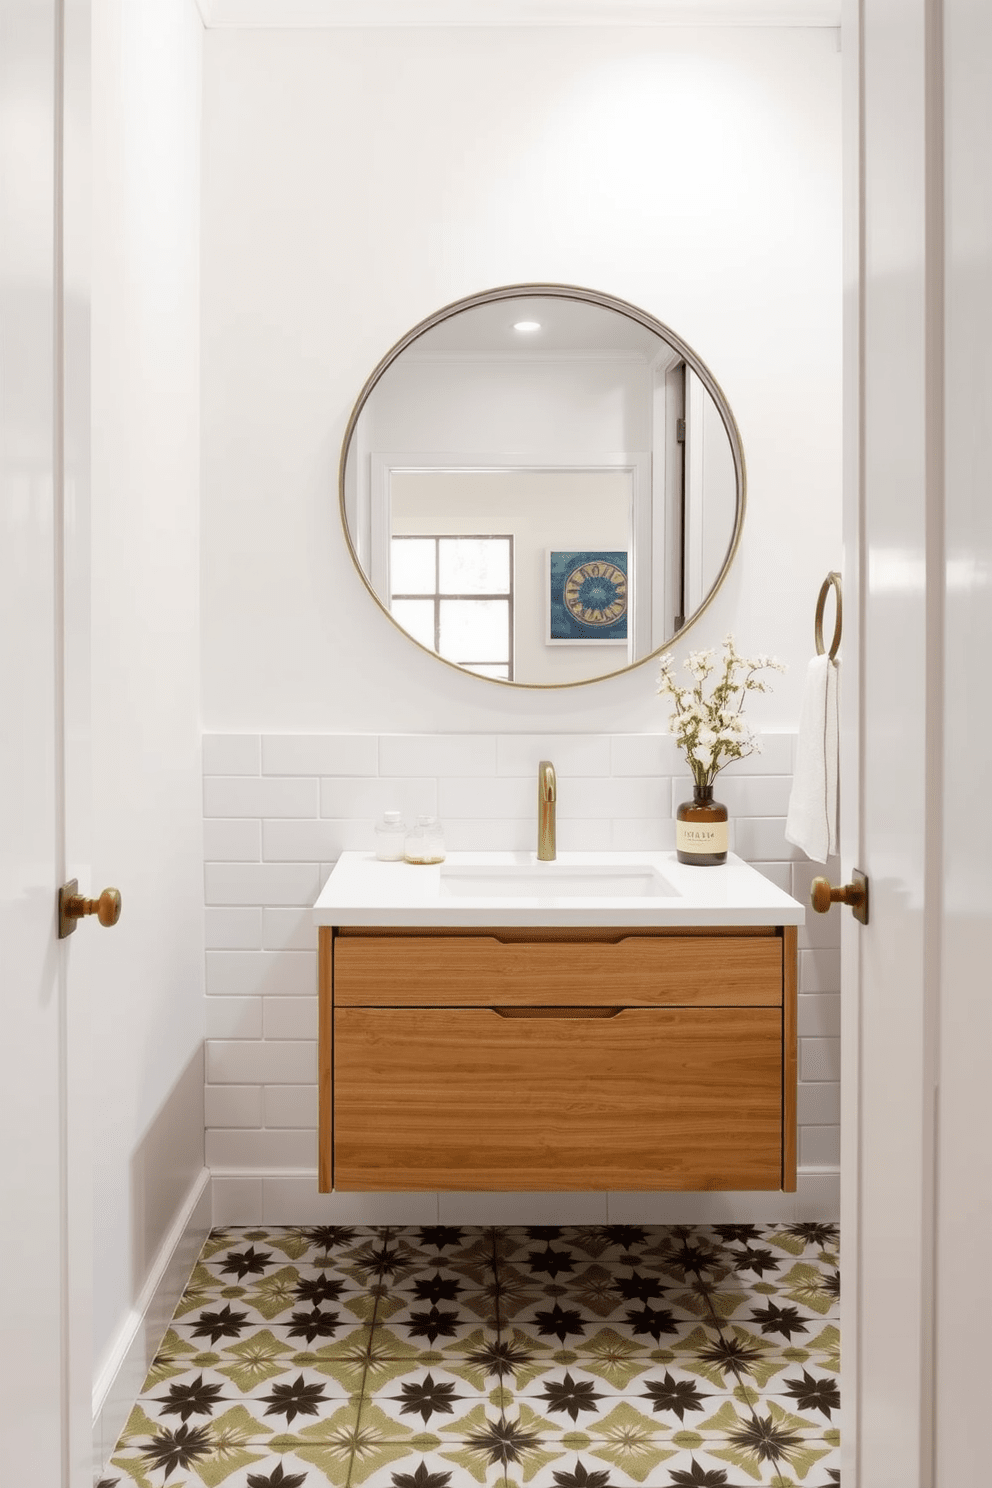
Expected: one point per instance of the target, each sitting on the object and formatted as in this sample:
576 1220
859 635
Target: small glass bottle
390 837
424 842
701 829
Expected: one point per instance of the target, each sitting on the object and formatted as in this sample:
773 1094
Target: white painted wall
355 181
469 405
147 993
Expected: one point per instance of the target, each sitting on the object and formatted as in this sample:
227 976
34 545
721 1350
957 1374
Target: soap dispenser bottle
390 835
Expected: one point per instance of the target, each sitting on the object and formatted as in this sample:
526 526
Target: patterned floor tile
686 1257
463 1298
445 1356
780 1444
603 1290
350 1445
229 1321
810 1391
609 1242
630 1446
813 1285
797 1242
782 1317
448 1237
382 1261
265 1354
648 1322
299 1392
761 1357
244 1260
149 1451
250 1264
540 1261
313 1245
475 1448
429 1329
567 1395
277 1296
620 1359
456 1245
433 1400
510 1238
758 1266
266 1470
698 1467
426 1467
420 1316
671 1396
473 1357
582 1468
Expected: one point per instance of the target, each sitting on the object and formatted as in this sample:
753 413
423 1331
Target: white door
45 1415
964 1035
917 1195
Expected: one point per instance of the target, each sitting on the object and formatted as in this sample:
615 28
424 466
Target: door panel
46 1400
964 1037
32 973
894 761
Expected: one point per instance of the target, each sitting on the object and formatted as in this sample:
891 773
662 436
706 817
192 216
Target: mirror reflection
542 485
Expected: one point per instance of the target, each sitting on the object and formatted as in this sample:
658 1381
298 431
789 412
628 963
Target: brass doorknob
823 893
73 907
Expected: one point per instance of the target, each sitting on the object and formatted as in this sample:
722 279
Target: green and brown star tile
445 1356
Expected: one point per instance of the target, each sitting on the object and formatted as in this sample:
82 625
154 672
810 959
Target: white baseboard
251 1196
128 1357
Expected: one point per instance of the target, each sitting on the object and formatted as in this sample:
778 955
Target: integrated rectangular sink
535 880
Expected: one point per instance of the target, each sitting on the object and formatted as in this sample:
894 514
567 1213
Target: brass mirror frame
606 302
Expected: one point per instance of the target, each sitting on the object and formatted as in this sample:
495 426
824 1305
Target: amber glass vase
701 829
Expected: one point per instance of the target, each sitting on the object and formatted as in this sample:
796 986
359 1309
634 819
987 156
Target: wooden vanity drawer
465 1098
630 969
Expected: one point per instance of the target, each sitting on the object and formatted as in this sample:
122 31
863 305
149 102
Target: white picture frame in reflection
588 596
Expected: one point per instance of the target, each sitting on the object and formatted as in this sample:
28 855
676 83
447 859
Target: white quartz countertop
514 889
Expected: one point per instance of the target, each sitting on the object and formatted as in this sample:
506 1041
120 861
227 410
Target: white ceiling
291 14
567 327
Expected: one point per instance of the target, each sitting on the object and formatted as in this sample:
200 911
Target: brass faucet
547 795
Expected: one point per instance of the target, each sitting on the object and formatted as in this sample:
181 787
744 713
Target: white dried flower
710 728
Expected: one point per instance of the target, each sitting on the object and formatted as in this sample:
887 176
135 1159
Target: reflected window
454 594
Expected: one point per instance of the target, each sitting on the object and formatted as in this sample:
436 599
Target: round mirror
542 485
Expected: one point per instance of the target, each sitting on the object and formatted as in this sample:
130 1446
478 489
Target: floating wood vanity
525 1055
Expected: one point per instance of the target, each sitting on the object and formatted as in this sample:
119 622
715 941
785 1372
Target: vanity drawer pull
557 1012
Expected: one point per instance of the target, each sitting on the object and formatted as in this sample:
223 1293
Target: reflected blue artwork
587 596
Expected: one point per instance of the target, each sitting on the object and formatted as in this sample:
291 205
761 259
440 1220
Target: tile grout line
499 1332
720 1329
362 1392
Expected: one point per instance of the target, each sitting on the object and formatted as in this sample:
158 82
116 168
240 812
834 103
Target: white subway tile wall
277 811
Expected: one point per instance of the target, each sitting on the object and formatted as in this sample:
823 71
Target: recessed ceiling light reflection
527 326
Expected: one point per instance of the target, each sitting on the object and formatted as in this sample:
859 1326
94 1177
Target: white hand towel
812 819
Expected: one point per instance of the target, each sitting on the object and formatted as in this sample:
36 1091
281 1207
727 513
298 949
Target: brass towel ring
832 578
